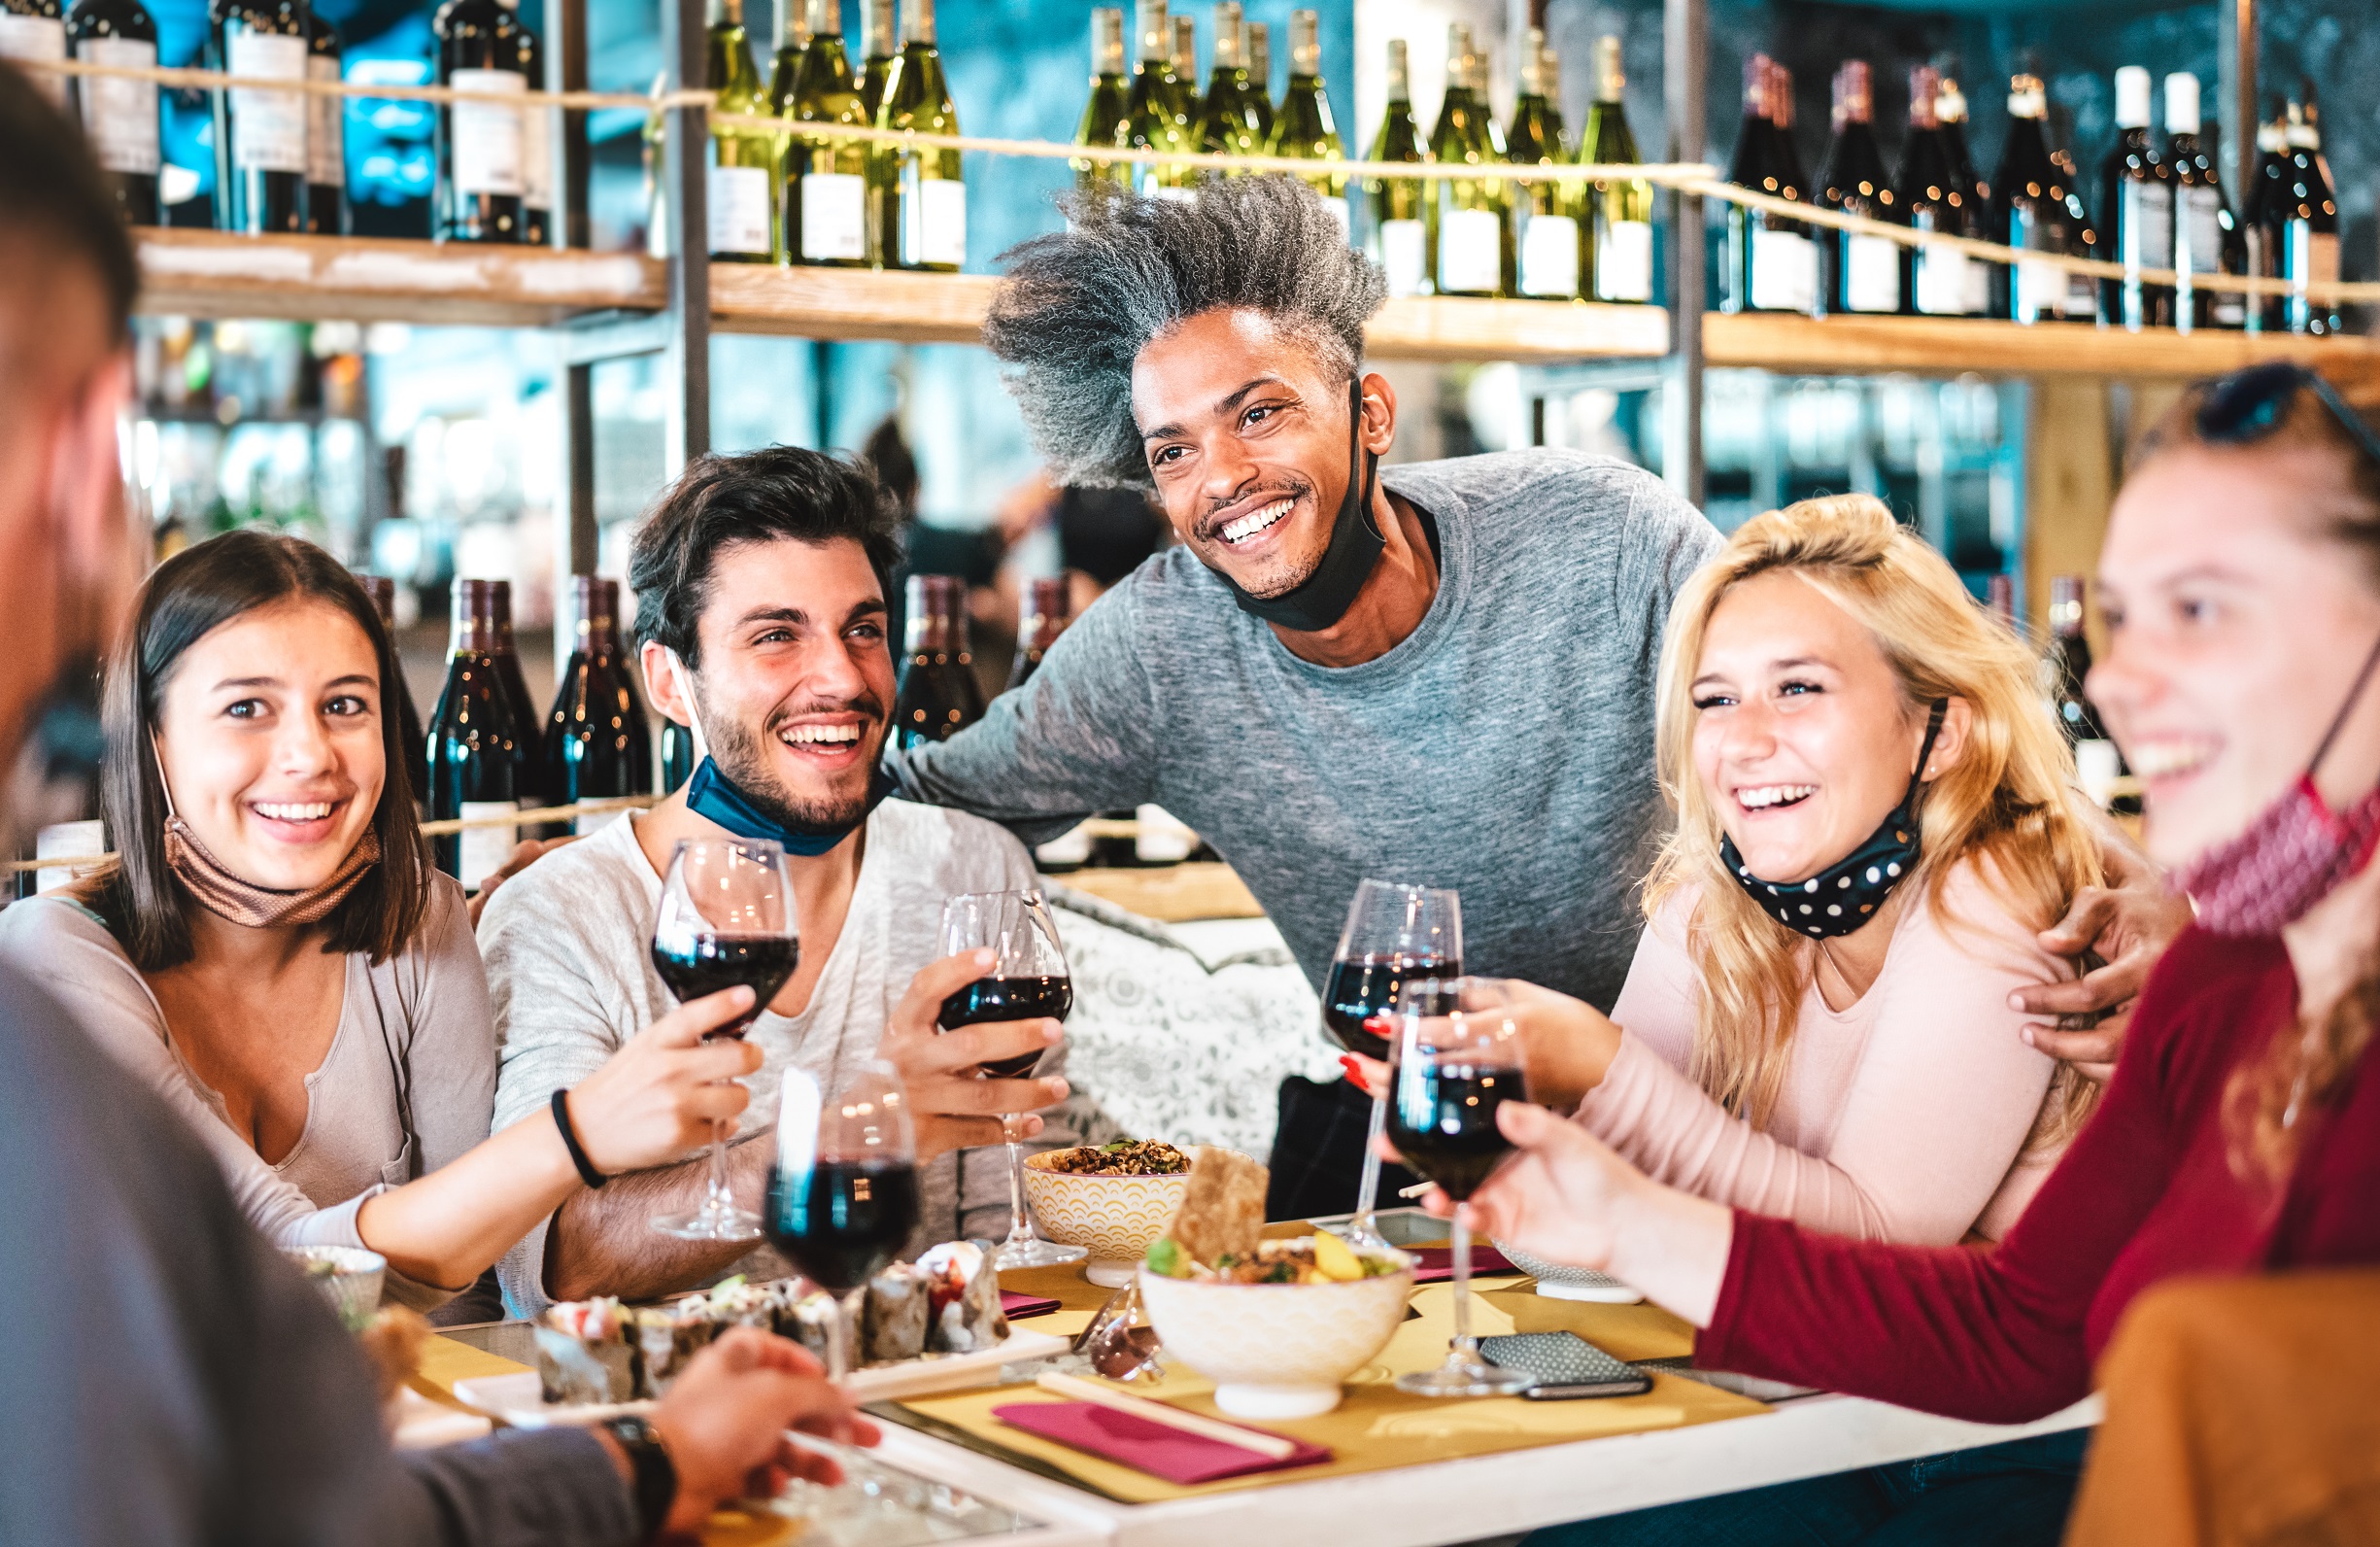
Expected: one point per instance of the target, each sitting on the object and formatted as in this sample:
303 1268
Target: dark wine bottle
2270 198
677 756
537 137
2096 762
2309 244
1934 280
259 133
474 762
119 117
2136 205
1042 614
1857 272
326 131
35 30
1772 263
529 753
1975 194
382 592
2204 228
938 695
597 743
481 161
2036 209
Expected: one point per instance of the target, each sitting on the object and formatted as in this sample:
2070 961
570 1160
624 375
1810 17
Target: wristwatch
656 1474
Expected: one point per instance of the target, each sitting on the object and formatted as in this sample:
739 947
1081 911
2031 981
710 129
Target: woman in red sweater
2241 1133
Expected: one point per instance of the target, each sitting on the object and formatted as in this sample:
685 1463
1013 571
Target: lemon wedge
1335 1260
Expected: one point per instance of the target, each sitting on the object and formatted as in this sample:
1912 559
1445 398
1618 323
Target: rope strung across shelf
1694 179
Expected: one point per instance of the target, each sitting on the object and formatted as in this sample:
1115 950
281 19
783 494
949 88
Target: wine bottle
1229 124
259 133
1546 251
1160 117
2096 762
1858 272
2269 196
1771 262
1106 116
1186 71
1474 235
528 750
1788 149
1934 280
596 743
825 180
740 188
1260 74
119 117
382 592
938 696
1302 130
536 136
1042 614
921 195
2035 210
2204 227
326 131
35 30
473 748
1619 213
1974 193
480 154
2309 244
2136 202
880 45
792 42
1400 236
677 756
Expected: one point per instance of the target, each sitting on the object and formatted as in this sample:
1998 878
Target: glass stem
838 1340
1020 1223
1367 1199
1465 1350
720 1200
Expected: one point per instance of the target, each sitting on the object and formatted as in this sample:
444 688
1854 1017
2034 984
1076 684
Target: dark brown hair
190 596
51 189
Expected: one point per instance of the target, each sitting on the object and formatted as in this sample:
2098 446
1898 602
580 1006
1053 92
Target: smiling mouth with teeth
822 735
1769 797
1242 529
295 811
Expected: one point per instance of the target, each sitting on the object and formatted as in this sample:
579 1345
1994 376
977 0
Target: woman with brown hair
272 949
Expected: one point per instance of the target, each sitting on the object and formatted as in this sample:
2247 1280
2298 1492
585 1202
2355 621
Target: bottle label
1871 273
2203 233
1785 272
38 38
1336 208
1979 288
740 200
833 216
2041 291
325 127
1470 250
2321 254
1405 253
2144 223
1549 257
1623 261
537 157
484 138
120 116
481 851
934 220
268 128
1942 281
2081 297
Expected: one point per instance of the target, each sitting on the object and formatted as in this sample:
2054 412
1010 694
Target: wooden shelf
1948 346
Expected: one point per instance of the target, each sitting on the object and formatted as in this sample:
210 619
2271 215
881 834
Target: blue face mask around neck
712 796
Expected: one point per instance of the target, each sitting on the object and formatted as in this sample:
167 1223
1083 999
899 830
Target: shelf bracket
687 366
1685 60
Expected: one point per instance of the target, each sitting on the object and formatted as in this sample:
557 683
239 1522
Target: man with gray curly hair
1438 673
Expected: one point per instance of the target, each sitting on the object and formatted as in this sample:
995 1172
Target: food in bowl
1126 1157
1090 1197
1309 1259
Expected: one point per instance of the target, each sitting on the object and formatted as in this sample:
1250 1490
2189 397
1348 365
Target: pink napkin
1147 1446
1016 1307
1435 1265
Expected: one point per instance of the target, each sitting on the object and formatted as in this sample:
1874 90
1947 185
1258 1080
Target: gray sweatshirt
1503 748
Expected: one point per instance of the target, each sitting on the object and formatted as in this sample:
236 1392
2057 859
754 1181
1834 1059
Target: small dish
1277 1349
1115 1218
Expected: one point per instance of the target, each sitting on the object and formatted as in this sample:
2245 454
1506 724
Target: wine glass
1029 977
727 917
1394 934
843 1199
1459 1059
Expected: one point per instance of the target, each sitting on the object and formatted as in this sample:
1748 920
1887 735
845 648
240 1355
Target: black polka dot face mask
1845 895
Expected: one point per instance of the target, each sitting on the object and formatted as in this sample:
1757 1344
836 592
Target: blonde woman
1874 818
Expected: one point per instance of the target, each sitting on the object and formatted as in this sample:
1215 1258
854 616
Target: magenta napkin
1016 1307
1145 1446
1435 1265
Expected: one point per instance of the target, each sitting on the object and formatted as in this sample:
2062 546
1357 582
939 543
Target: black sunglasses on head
2249 405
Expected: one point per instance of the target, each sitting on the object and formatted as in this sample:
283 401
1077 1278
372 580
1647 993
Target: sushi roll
585 1356
811 1320
894 1315
964 1288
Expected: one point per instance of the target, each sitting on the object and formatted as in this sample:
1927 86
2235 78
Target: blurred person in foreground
1435 672
2241 1133
171 1379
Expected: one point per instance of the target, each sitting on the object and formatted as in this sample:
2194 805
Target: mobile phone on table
1565 1365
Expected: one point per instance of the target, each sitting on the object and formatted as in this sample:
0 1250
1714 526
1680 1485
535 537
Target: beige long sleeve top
1903 1116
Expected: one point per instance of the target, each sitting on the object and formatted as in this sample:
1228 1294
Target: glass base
1463 1377
710 1223
1034 1253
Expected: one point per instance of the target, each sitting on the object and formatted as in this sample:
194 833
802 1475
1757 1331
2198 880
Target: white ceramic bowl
1114 1218
348 1278
1277 1349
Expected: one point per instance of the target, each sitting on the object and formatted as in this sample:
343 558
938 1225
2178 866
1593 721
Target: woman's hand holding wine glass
1566 1046
654 1100
955 1106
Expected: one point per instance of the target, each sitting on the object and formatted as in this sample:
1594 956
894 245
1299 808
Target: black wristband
656 1474
587 1172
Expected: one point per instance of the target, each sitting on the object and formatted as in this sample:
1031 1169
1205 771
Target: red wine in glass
1363 989
1010 998
1441 1118
699 964
842 1221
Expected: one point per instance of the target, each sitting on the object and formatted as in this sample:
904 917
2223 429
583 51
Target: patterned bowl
348 1277
1113 1217
1277 1349
1556 1281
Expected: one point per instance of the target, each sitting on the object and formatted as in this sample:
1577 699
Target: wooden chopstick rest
1082 1391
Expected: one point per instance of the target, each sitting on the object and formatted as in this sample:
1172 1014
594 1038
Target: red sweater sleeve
1996 1335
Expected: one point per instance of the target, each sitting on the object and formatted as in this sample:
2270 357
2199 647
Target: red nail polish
1354 1070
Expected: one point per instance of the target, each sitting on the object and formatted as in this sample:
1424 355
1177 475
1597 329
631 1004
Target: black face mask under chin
1323 598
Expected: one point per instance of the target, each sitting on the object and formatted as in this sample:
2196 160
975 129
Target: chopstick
1082 1391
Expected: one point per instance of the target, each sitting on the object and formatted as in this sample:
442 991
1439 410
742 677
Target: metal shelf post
1685 50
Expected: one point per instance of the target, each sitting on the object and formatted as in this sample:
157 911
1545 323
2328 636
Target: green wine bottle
1302 130
1547 252
882 47
921 195
1160 117
1619 213
1259 53
1186 71
743 186
1104 117
1474 236
1232 123
825 180
1398 207
785 66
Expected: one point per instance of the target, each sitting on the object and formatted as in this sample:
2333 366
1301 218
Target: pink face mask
2290 856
